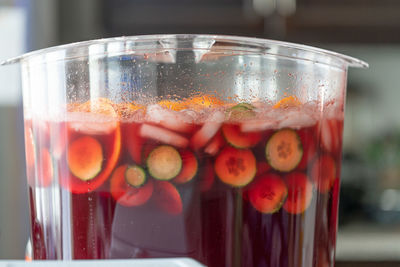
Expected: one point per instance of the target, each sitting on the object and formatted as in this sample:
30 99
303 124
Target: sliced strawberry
299 193
207 131
189 167
323 173
335 206
59 134
215 145
173 120
45 168
331 135
163 135
134 141
208 176
41 132
30 150
167 197
126 194
309 144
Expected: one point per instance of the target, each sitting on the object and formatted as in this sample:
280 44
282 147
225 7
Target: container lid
216 43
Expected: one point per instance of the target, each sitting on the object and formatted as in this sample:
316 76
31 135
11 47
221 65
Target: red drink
225 184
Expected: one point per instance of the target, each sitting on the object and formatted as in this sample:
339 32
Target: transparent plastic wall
144 70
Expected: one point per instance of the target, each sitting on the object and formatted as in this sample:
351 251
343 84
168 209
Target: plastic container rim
323 54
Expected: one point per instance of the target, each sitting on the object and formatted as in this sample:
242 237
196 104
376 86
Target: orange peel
206 101
173 105
289 101
125 109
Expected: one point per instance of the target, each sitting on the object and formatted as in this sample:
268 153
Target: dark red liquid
218 225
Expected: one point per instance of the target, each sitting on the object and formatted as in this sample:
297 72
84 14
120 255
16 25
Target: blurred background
369 228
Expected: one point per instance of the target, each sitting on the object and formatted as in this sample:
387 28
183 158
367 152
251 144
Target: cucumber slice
235 167
85 158
164 162
268 193
241 111
135 176
284 150
237 138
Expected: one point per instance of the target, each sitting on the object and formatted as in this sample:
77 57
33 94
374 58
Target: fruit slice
284 150
126 110
135 176
208 176
173 105
46 171
207 131
309 147
237 138
268 193
79 186
167 197
299 193
125 194
41 133
134 141
85 157
323 173
164 162
59 139
215 145
204 101
235 167
289 101
30 150
241 111
173 120
189 167
331 134
163 135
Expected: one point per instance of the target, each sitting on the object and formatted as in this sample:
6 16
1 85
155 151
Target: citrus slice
289 101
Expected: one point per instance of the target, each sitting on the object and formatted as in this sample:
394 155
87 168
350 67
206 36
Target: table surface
178 262
368 242
358 244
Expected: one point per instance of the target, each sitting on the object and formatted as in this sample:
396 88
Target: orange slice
206 101
126 109
173 105
289 101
